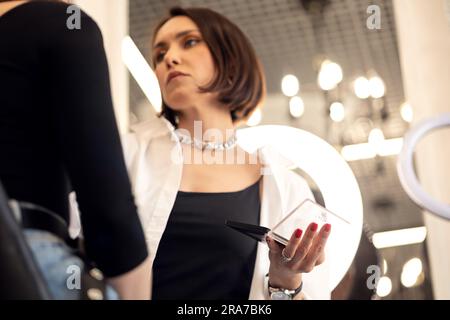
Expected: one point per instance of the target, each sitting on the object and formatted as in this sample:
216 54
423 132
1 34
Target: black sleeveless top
199 257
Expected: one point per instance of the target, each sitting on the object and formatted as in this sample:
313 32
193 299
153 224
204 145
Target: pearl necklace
207 145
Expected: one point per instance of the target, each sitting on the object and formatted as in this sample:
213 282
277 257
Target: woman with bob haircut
211 81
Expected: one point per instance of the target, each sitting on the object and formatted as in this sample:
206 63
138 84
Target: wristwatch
283 294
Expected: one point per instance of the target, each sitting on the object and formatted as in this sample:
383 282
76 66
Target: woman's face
179 47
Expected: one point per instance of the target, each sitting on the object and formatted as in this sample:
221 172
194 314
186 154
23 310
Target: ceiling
288 39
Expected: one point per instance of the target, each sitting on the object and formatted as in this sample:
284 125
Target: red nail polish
327 227
298 233
314 226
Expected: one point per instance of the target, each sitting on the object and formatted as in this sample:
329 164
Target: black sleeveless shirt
199 257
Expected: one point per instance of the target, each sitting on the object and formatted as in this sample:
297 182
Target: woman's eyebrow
178 35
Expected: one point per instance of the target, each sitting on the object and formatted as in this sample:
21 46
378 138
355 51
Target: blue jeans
57 263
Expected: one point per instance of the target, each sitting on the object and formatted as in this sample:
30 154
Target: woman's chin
178 102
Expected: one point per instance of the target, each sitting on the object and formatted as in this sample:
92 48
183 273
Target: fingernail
314 226
327 227
298 233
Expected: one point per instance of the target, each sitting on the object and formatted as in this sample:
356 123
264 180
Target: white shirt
155 162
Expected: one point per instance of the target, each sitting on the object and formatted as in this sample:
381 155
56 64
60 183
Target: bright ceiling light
376 139
376 136
141 72
384 286
337 112
385 266
290 85
330 75
361 88
411 272
406 112
255 118
296 107
400 237
390 147
361 151
376 87
358 151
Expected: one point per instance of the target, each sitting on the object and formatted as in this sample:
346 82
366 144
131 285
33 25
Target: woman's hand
300 255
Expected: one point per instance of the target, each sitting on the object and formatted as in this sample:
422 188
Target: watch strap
291 292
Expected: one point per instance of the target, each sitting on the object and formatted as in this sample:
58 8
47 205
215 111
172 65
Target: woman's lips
177 76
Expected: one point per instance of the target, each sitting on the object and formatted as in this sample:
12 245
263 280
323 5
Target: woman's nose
172 58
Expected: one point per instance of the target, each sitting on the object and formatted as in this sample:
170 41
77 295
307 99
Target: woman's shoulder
55 19
152 127
144 132
40 6
54 10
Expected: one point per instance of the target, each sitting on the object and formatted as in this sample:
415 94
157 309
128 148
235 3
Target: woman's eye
191 42
159 56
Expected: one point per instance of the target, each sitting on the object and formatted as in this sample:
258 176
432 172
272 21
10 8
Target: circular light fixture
411 272
337 112
290 85
296 107
333 177
376 87
384 286
330 75
362 88
406 112
405 167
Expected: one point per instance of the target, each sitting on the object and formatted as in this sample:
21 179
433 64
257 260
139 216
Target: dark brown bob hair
239 79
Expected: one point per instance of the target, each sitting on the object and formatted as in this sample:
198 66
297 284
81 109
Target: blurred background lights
376 87
376 138
411 273
361 87
330 75
296 107
400 237
385 266
290 85
384 286
141 72
406 112
337 112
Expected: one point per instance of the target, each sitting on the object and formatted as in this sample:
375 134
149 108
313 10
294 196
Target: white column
112 18
423 31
